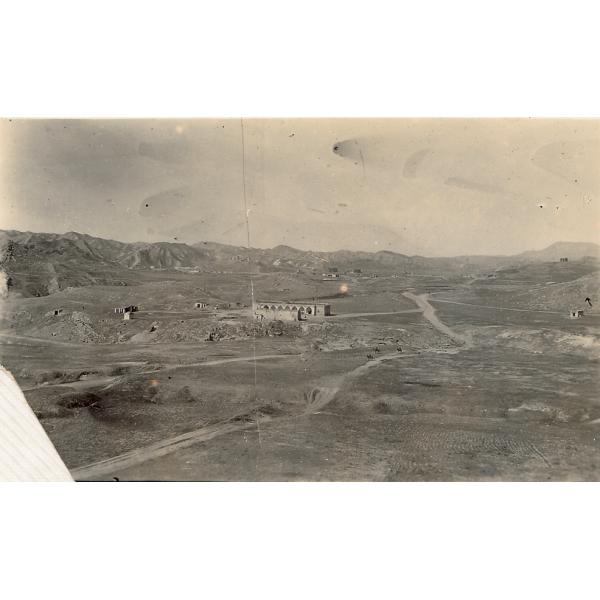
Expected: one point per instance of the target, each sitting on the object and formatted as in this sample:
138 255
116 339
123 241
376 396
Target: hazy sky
428 186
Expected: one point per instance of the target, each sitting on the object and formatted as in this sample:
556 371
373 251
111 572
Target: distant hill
44 263
41 264
565 295
558 250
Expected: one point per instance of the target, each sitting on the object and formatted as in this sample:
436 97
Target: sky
435 187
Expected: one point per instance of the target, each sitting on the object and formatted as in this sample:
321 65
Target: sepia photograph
299 301
367 299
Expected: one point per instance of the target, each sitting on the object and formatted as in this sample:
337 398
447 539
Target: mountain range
43 263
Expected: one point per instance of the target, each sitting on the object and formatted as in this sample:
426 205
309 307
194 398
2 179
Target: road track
319 398
530 310
429 313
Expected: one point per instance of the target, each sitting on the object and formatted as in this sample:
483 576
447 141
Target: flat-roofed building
131 308
290 311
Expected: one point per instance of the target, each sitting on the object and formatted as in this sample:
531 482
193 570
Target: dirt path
551 312
429 313
103 382
321 396
373 314
38 341
222 361
318 398
167 446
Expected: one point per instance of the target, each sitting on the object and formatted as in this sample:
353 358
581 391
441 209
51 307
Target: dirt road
530 310
140 455
6 338
222 361
101 382
319 398
323 395
429 313
374 314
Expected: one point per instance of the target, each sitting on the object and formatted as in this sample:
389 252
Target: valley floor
459 384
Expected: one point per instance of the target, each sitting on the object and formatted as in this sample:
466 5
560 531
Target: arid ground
414 377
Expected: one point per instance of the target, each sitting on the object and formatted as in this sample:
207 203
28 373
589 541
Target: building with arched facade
289 311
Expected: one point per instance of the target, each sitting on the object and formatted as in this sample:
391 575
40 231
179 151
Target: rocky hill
558 250
37 264
566 295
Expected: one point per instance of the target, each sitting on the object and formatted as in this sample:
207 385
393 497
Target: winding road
429 313
319 398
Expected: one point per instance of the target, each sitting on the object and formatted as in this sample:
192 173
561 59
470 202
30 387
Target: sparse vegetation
103 386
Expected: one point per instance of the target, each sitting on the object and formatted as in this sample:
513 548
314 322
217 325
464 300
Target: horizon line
192 244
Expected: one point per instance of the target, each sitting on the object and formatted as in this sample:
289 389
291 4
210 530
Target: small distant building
290 311
58 311
328 276
564 260
120 310
127 316
200 304
576 313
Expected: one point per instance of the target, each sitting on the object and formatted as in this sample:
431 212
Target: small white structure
58 311
576 313
126 309
200 304
328 276
127 316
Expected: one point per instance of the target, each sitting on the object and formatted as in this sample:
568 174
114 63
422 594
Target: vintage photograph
306 299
